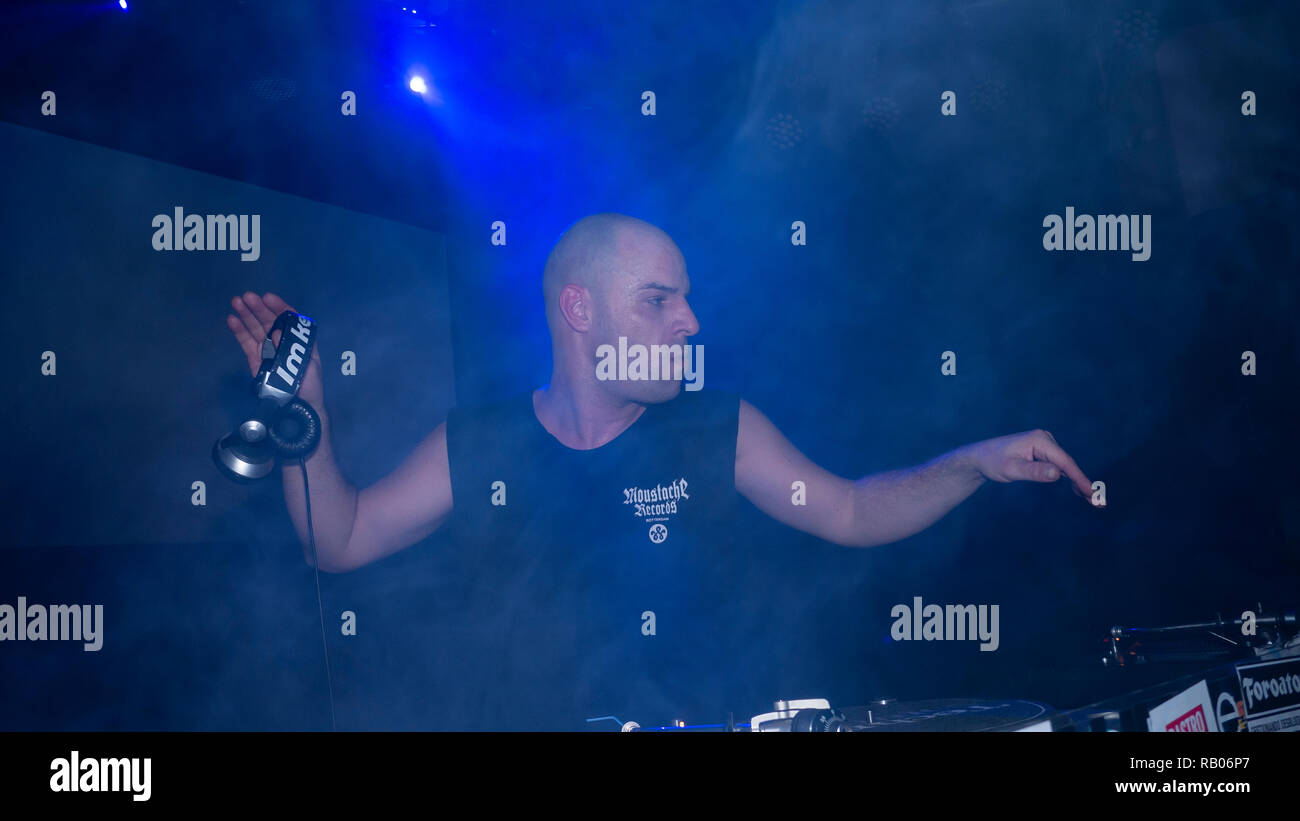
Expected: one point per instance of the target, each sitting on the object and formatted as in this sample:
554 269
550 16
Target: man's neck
580 416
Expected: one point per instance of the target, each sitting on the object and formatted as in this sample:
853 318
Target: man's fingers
246 341
1041 472
1052 452
276 304
253 318
241 333
264 314
252 324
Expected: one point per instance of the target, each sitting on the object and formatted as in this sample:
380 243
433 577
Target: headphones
282 426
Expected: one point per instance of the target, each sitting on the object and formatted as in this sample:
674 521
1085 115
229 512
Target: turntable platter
944 715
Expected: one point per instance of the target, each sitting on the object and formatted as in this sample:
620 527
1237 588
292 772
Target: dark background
924 236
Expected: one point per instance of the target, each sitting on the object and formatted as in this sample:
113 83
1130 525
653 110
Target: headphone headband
283 368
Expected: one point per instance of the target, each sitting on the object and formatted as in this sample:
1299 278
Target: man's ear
575 307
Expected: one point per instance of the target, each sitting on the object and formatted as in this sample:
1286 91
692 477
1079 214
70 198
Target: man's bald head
592 251
612 279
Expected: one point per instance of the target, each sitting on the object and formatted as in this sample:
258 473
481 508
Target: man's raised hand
253 316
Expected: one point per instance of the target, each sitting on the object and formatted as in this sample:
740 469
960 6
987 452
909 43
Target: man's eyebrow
657 286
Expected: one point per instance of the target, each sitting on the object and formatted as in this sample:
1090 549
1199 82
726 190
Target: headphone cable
315 563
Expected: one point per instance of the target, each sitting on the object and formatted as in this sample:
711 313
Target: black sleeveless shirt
598 581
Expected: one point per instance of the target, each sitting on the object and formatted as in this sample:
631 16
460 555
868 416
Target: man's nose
690 325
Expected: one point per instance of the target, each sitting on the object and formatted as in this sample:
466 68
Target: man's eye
658 300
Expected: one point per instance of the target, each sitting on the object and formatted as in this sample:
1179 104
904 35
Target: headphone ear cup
243 461
295 430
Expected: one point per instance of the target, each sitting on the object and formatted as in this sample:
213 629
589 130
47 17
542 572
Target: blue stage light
417 84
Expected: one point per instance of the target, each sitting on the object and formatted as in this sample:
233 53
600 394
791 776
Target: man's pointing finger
1053 453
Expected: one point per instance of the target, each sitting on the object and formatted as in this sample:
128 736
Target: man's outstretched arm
884 507
351 527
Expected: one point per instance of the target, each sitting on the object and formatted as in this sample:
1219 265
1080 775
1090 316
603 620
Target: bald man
594 510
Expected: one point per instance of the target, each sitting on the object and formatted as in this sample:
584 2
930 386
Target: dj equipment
1257 691
282 425
944 715
1198 642
811 715
891 715
815 715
